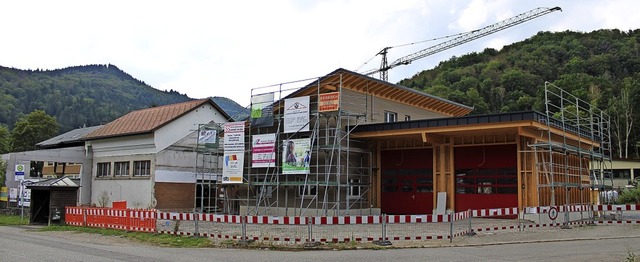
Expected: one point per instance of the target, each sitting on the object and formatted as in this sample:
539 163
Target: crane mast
464 38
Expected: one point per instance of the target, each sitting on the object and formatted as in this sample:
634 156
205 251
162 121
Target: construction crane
461 39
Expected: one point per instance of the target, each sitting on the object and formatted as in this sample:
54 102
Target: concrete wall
137 192
68 155
122 146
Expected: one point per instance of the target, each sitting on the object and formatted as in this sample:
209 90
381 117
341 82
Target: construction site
350 144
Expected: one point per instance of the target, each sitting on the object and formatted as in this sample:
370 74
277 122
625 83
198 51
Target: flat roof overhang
530 124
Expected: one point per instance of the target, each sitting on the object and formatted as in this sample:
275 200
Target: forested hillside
600 67
76 96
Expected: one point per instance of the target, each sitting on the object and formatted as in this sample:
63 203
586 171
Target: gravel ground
529 235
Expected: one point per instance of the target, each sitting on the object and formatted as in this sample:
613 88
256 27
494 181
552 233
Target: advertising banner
263 151
232 169
296 114
262 110
207 138
234 137
296 156
233 153
329 102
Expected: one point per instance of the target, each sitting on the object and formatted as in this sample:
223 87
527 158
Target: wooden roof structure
369 85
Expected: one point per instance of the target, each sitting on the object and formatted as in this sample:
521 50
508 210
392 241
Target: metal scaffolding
339 173
209 198
574 157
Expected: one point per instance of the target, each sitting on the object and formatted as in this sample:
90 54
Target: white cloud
214 48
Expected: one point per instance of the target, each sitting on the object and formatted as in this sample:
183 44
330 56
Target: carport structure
50 197
483 161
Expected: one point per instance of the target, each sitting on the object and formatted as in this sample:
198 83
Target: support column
443 174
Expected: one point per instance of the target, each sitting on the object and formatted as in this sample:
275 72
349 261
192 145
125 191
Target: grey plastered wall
67 155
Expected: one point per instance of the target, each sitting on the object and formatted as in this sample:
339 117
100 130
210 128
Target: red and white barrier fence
139 220
616 208
495 212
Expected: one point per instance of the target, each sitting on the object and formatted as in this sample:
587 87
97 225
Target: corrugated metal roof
148 120
73 136
54 182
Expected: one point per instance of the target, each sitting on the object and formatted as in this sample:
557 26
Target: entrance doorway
486 177
407 181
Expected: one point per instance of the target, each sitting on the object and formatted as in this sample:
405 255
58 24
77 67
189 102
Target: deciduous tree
31 129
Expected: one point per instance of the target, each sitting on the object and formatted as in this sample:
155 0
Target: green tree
4 140
3 168
31 129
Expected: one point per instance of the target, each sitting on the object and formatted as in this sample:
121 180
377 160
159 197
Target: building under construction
350 144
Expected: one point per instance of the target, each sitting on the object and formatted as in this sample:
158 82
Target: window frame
311 190
118 166
353 188
100 166
146 168
388 115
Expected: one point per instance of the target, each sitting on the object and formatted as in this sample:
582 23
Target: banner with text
233 153
263 151
329 102
296 114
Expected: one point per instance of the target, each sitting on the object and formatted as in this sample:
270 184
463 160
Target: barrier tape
145 220
493 212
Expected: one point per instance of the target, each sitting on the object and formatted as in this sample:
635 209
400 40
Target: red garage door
486 177
407 181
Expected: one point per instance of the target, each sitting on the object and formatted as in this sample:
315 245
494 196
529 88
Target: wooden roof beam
433 138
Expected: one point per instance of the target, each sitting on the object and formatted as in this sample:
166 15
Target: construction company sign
233 153
296 114
329 102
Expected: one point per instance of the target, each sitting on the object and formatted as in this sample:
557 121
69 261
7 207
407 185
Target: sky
232 48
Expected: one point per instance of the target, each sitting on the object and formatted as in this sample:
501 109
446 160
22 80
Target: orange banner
329 102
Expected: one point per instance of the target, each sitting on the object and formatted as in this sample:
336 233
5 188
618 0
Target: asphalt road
19 244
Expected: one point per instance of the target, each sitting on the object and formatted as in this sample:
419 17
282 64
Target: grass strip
163 240
12 220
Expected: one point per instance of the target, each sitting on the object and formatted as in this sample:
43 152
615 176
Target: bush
629 196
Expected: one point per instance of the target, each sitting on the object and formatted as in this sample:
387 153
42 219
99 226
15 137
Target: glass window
354 189
142 168
307 190
121 169
622 173
103 169
487 181
390 117
407 118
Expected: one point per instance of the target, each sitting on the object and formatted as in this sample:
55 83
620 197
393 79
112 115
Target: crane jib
464 38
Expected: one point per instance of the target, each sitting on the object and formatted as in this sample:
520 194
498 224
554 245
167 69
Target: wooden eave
527 128
370 86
